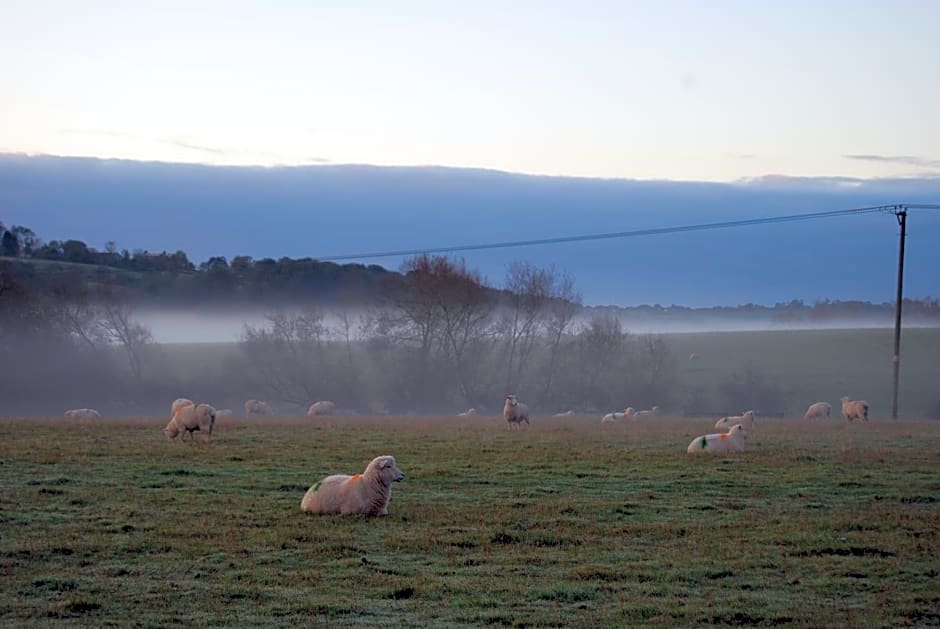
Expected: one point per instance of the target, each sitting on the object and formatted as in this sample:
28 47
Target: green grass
567 523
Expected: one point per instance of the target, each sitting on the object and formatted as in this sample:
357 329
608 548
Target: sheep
747 420
257 407
470 412
628 413
693 357
854 409
189 419
819 409
83 413
323 407
565 414
224 412
361 494
653 412
515 411
719 443
179 403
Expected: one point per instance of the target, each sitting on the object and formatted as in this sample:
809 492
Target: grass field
567 523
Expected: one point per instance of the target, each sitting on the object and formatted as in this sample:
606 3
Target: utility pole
901 213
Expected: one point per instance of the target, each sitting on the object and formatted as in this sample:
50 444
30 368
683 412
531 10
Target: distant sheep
653 412
470 412
819 409
257 407
627 414
361 494
720 443
747 420
565 414
323 407
189 419
515 412
224 412
854 409
82 413
693 357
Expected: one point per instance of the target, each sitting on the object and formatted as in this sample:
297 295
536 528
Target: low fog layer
225 326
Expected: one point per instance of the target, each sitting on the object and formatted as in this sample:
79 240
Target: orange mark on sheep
354 478
723 436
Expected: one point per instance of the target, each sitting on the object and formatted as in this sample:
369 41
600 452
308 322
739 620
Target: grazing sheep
179 403
189 419
83 413
731 441
257 407
610 418
854 409
819 409
361 494
515 411
565 414
224 412
747 420
470 412
653 412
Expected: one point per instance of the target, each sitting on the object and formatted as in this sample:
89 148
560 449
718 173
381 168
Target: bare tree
530 290
564 306
287 357
118 326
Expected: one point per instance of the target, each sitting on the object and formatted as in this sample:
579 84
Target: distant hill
313 212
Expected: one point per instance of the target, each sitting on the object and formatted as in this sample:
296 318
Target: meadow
566 523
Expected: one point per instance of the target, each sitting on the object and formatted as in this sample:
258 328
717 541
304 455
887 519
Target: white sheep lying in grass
653 412
82 413
257 407
189 419
746 420
470 412
719 443
628 413
565 414
224 412
854 409
323 407
819 409
515 412
361 494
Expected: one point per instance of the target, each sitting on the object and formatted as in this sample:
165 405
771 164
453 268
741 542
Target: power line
627 234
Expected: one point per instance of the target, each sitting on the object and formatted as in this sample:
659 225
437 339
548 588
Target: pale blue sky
712 91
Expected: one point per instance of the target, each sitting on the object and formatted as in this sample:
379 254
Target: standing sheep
719 443
819 409
854 409
189 419
747 420
515 412
610 418
257 407
361 494
82 413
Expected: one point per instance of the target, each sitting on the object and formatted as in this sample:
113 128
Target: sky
687 91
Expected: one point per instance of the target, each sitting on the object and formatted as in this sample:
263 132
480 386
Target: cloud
907 160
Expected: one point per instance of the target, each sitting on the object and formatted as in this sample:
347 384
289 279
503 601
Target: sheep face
385 469
736 430
511 400
171 431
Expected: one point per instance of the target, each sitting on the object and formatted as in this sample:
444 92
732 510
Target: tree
29 242
118 326
529 290
9 245
563 307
